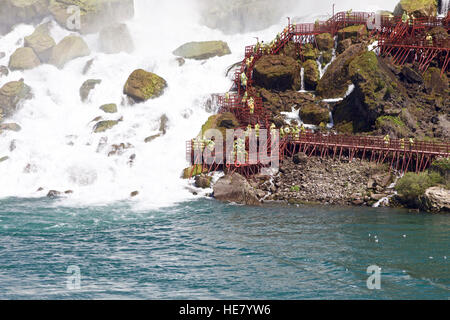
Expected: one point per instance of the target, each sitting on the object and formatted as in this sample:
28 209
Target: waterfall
445 6
302 77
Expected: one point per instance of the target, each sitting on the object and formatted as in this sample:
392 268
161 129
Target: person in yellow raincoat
251 105
244 79
257 127
429 39
387 140
296 132
402 143
302 130
273 129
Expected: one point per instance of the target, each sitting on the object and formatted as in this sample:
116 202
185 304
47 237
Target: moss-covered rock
221 122
355 33
372 98
327 56
203 181
278 73
11 95
103 126
116 38
434 83
391 125
23 58
142 85
335 81
94 14
314 114
343 45
202 50
310 52
4 71
109 108
325 42
311 75
419 8
69 48
195 170
10 127
41 42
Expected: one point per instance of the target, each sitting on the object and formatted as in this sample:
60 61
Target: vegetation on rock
142 85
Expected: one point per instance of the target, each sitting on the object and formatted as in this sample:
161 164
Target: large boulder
422 8
310 52
374 101
240 16
311 74
116 38
11 95
94 14
314 114
437 199
221 122
334 83
23 58
235 188
109 108
279 73
325 41
41 42
69 48
142 85
17 11
202 50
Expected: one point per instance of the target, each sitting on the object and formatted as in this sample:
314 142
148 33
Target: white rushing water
57 149
445 6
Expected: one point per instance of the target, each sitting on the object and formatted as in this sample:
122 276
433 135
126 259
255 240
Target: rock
300 158
314 114
17 11
2 159
22 59
335 81
119 149
235 188
203 181
238 16
180 61
437 199
310 52
68 192
10 127
352 32
94 14
434 83
163 124
202 50
4 71
87 66
410 75
364 109
278 73
221 122
422 8
311 74
378 197
102 126
109 108
142 85
11 95
325 41
151 138
2 55
53 194
134 194
343 45
41 42
116 38
86 88
194 170
69 48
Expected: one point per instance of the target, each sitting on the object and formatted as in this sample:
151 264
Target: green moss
396 120
143 85
295 189
195 169
222 122
309 52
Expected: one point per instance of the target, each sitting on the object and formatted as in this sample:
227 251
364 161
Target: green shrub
412 186
295 189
